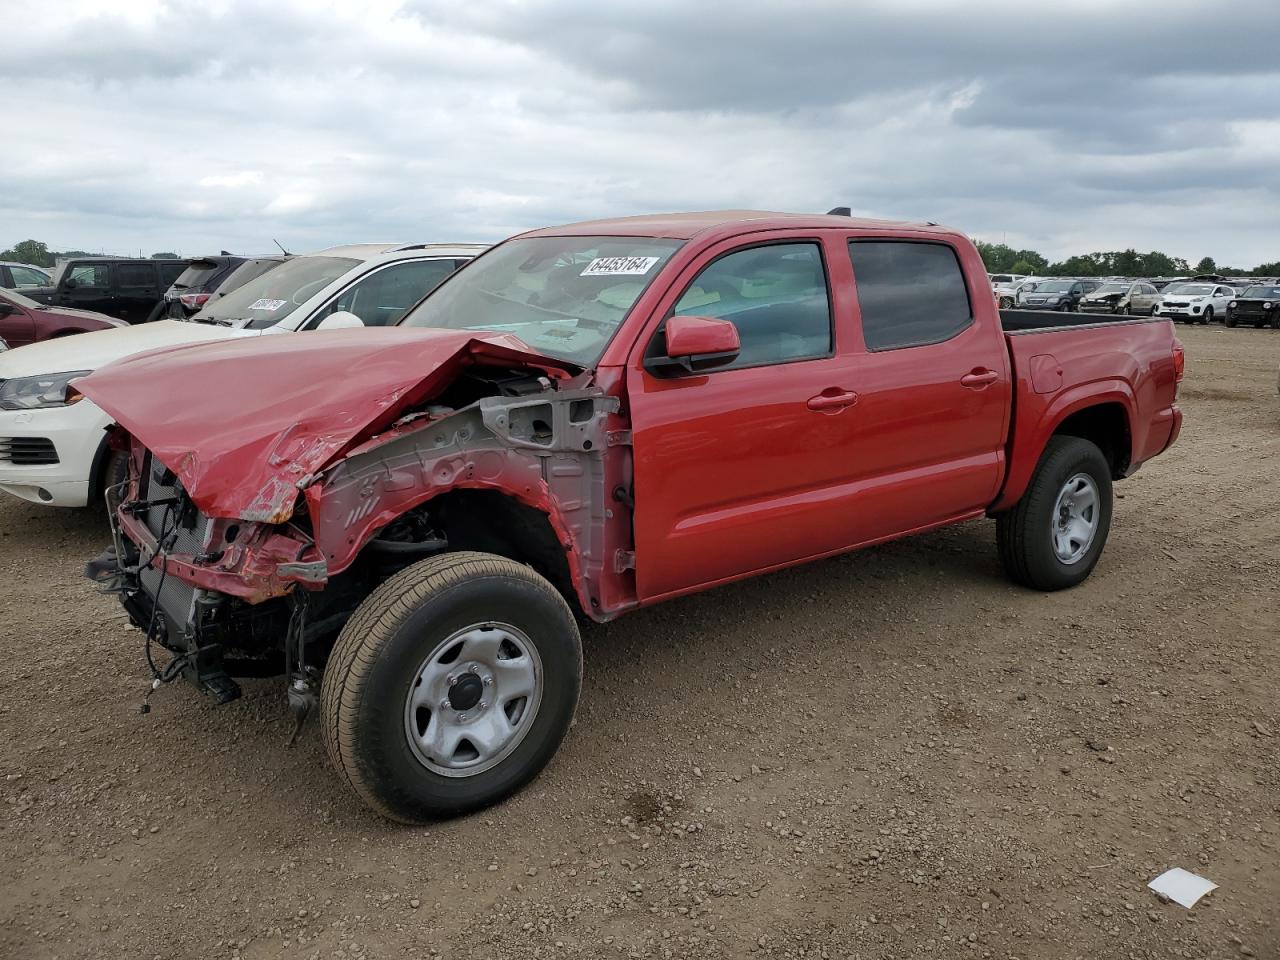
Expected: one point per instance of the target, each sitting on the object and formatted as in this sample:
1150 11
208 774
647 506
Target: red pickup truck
586 420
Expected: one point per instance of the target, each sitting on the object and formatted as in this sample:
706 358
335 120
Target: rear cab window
910 293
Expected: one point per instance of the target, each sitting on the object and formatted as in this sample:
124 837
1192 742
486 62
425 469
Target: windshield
1191 289
1261 292
268 299
563 296
1054 286
1112 288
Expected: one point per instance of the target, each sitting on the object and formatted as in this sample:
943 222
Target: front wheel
1207 317
1052 538
1230 321
451 686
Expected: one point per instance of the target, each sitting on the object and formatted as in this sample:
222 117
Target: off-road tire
1230 321
372 668
1024 533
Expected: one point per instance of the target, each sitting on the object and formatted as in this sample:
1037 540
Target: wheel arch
1100 413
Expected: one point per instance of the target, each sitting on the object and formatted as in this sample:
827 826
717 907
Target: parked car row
56 453
1195 300
135 290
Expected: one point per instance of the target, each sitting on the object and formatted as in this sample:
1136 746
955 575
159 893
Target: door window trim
661 329
862 326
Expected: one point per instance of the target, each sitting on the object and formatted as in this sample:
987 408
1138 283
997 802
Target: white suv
54 452
1195 302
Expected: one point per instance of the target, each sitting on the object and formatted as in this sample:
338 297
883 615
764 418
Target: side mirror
341 320
70 283
696 343
6 308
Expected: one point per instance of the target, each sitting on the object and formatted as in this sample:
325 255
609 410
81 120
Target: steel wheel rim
1075 519
473 699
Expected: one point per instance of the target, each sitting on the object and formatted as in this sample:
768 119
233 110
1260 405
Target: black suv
207 278
132 290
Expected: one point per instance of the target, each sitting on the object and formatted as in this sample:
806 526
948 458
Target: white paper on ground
1182 886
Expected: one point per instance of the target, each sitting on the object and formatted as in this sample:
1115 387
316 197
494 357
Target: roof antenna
281 246
840 212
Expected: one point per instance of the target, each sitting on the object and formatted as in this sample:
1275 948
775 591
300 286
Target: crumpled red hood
241 422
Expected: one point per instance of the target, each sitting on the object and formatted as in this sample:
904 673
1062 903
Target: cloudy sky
194 126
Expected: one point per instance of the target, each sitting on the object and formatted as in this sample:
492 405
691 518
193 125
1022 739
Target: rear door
934 387
747 466
137 290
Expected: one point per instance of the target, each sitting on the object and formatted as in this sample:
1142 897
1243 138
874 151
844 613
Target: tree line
39 255
1001 258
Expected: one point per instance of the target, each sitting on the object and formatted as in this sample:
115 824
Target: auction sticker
265 304
619 266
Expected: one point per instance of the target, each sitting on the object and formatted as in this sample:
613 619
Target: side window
911 294
91 275
775 295
135 275
22 277
383 297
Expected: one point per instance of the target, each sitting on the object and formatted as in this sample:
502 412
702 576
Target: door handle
979 378
832 398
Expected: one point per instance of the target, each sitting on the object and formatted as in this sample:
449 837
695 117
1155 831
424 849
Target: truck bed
1022 321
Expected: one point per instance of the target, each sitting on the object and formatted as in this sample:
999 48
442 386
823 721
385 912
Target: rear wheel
451 686
1052 538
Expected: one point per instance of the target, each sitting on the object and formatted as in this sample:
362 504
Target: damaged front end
259 581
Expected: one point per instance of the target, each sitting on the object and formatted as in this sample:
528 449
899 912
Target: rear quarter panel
1061 372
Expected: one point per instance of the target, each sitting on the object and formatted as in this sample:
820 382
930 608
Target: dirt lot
892 754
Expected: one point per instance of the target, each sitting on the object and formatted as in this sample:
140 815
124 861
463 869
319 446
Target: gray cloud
1091 127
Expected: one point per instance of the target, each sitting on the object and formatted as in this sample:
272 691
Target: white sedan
1195 302
52 441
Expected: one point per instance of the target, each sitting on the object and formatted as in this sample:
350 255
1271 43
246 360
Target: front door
745 467
87 286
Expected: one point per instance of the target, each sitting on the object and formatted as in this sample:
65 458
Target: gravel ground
891 754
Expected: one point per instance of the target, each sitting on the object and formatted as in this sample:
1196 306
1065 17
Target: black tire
1207 317
1275 322
374 664
1128 310
1024 534
115 470
1230 321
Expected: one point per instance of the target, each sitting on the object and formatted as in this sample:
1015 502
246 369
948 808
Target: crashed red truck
586 420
